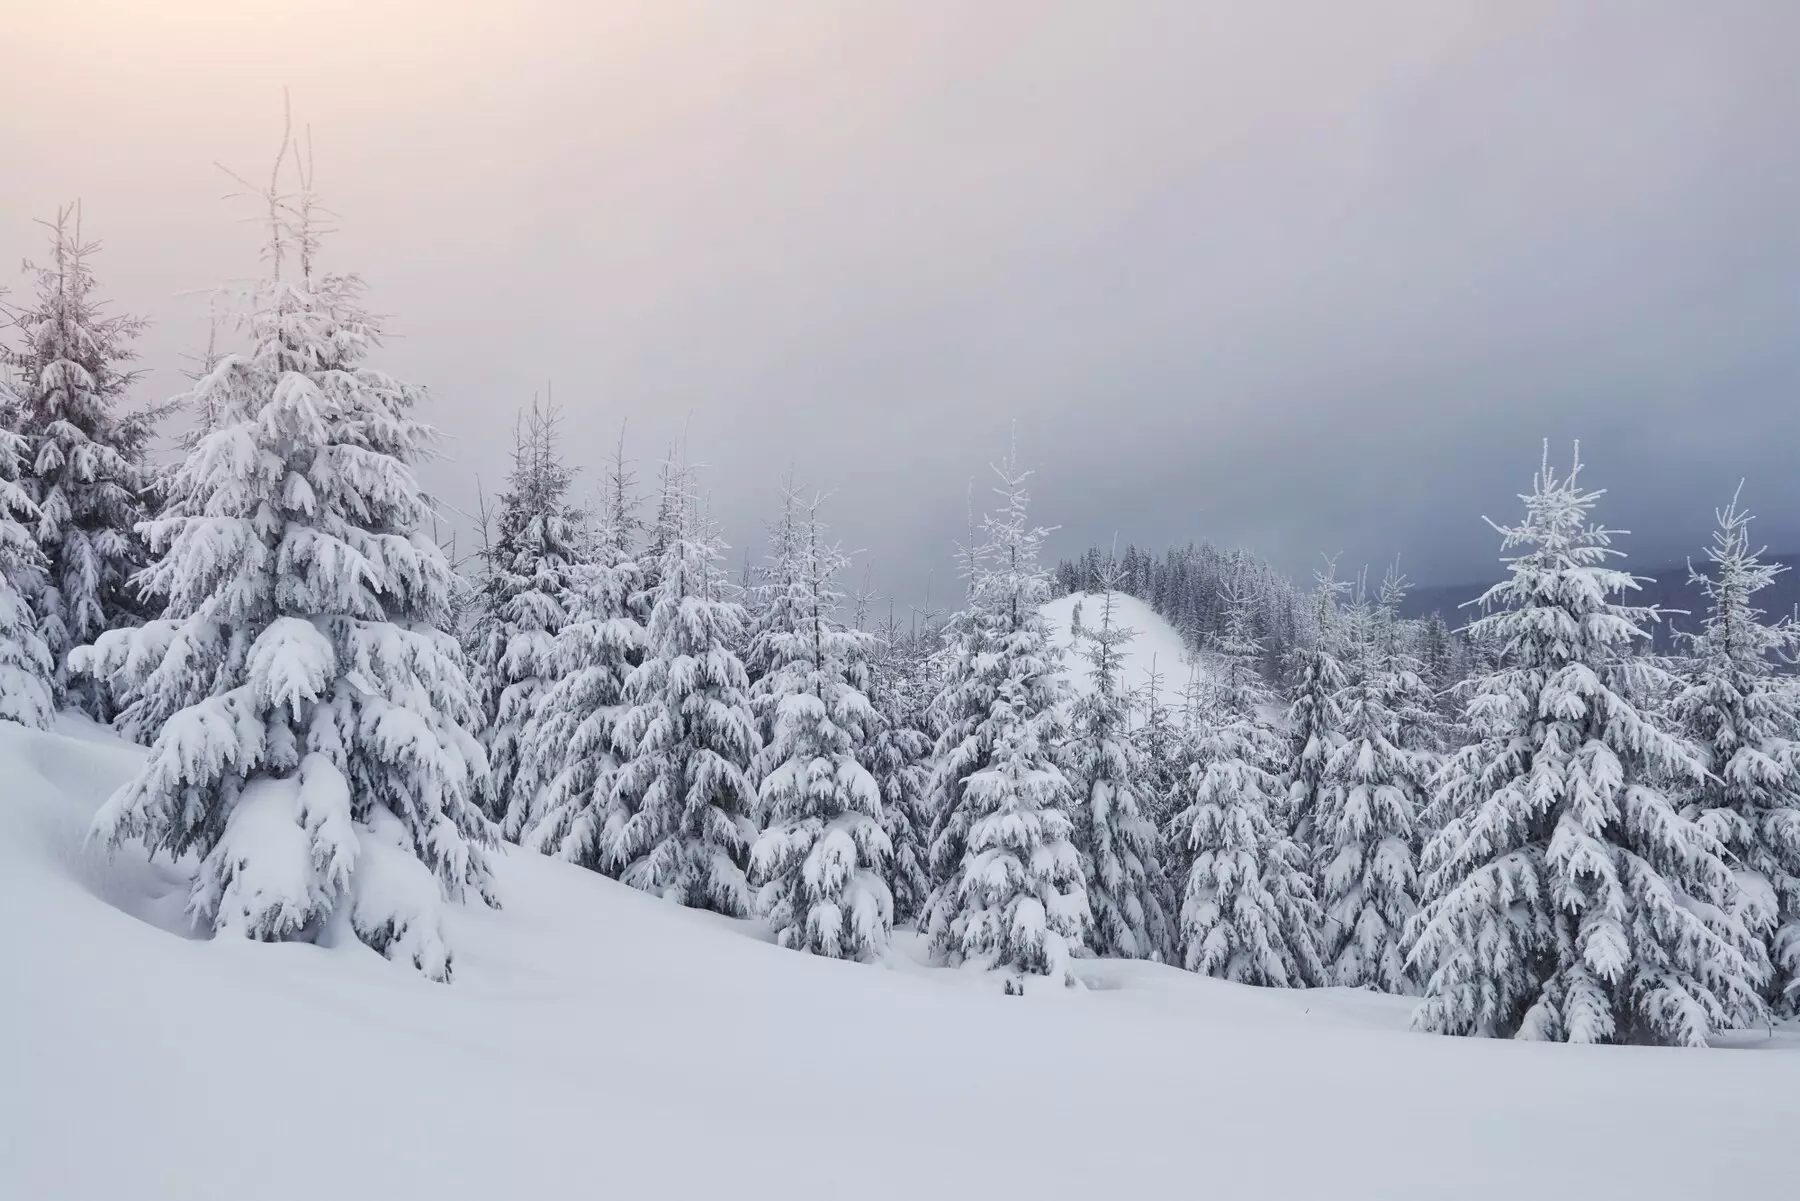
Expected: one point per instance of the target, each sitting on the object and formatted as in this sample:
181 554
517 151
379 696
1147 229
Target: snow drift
598 1042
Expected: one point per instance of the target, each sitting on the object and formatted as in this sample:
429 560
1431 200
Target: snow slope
1157 643
599 1043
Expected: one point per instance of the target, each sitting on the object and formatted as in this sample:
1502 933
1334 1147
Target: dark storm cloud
1301 277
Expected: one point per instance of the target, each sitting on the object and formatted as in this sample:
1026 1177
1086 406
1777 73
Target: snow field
597 1041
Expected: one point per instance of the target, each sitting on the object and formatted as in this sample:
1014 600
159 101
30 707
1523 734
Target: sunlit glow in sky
1304 277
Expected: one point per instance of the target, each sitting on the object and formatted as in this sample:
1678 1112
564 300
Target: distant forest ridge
1184 585
1668 588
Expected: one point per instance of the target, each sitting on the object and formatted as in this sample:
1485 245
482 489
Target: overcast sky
1298 276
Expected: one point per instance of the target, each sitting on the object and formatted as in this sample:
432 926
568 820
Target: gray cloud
1315 278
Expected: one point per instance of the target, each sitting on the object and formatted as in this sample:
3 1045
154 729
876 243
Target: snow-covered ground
599 1043
1157 644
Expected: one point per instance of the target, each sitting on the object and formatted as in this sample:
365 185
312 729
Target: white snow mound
1157 645
598 1042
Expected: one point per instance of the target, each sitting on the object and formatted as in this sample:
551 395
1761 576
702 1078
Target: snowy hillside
598 1042
1157 642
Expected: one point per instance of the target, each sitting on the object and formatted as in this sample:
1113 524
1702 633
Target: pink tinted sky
1310 276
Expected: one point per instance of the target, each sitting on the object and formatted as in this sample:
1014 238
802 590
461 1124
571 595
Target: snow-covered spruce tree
1157 737
1117 844
307 709
1247 911
529 596
671 509
959 704
1567 898
1010 897
1315 723
1437 661
820 862
921 662
1414 701
776 603
467 605
84 470
1196 723
899 757
680 823
1373 789
1743 719
569 744
27 671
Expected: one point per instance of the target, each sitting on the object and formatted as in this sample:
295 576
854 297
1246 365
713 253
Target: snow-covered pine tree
924 638
671 507
1157 736
529 595
1568 898
820 863
680 823
1414 700
27 671
467 604
776 603
1372 791
1247 912
570 745
1010 897
922 661
1437 659
1117 843
1743 719
84 470
958 706
308 711
899 757
1315 723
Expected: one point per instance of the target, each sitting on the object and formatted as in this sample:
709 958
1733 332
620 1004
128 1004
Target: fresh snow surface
597 1042
1157 643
